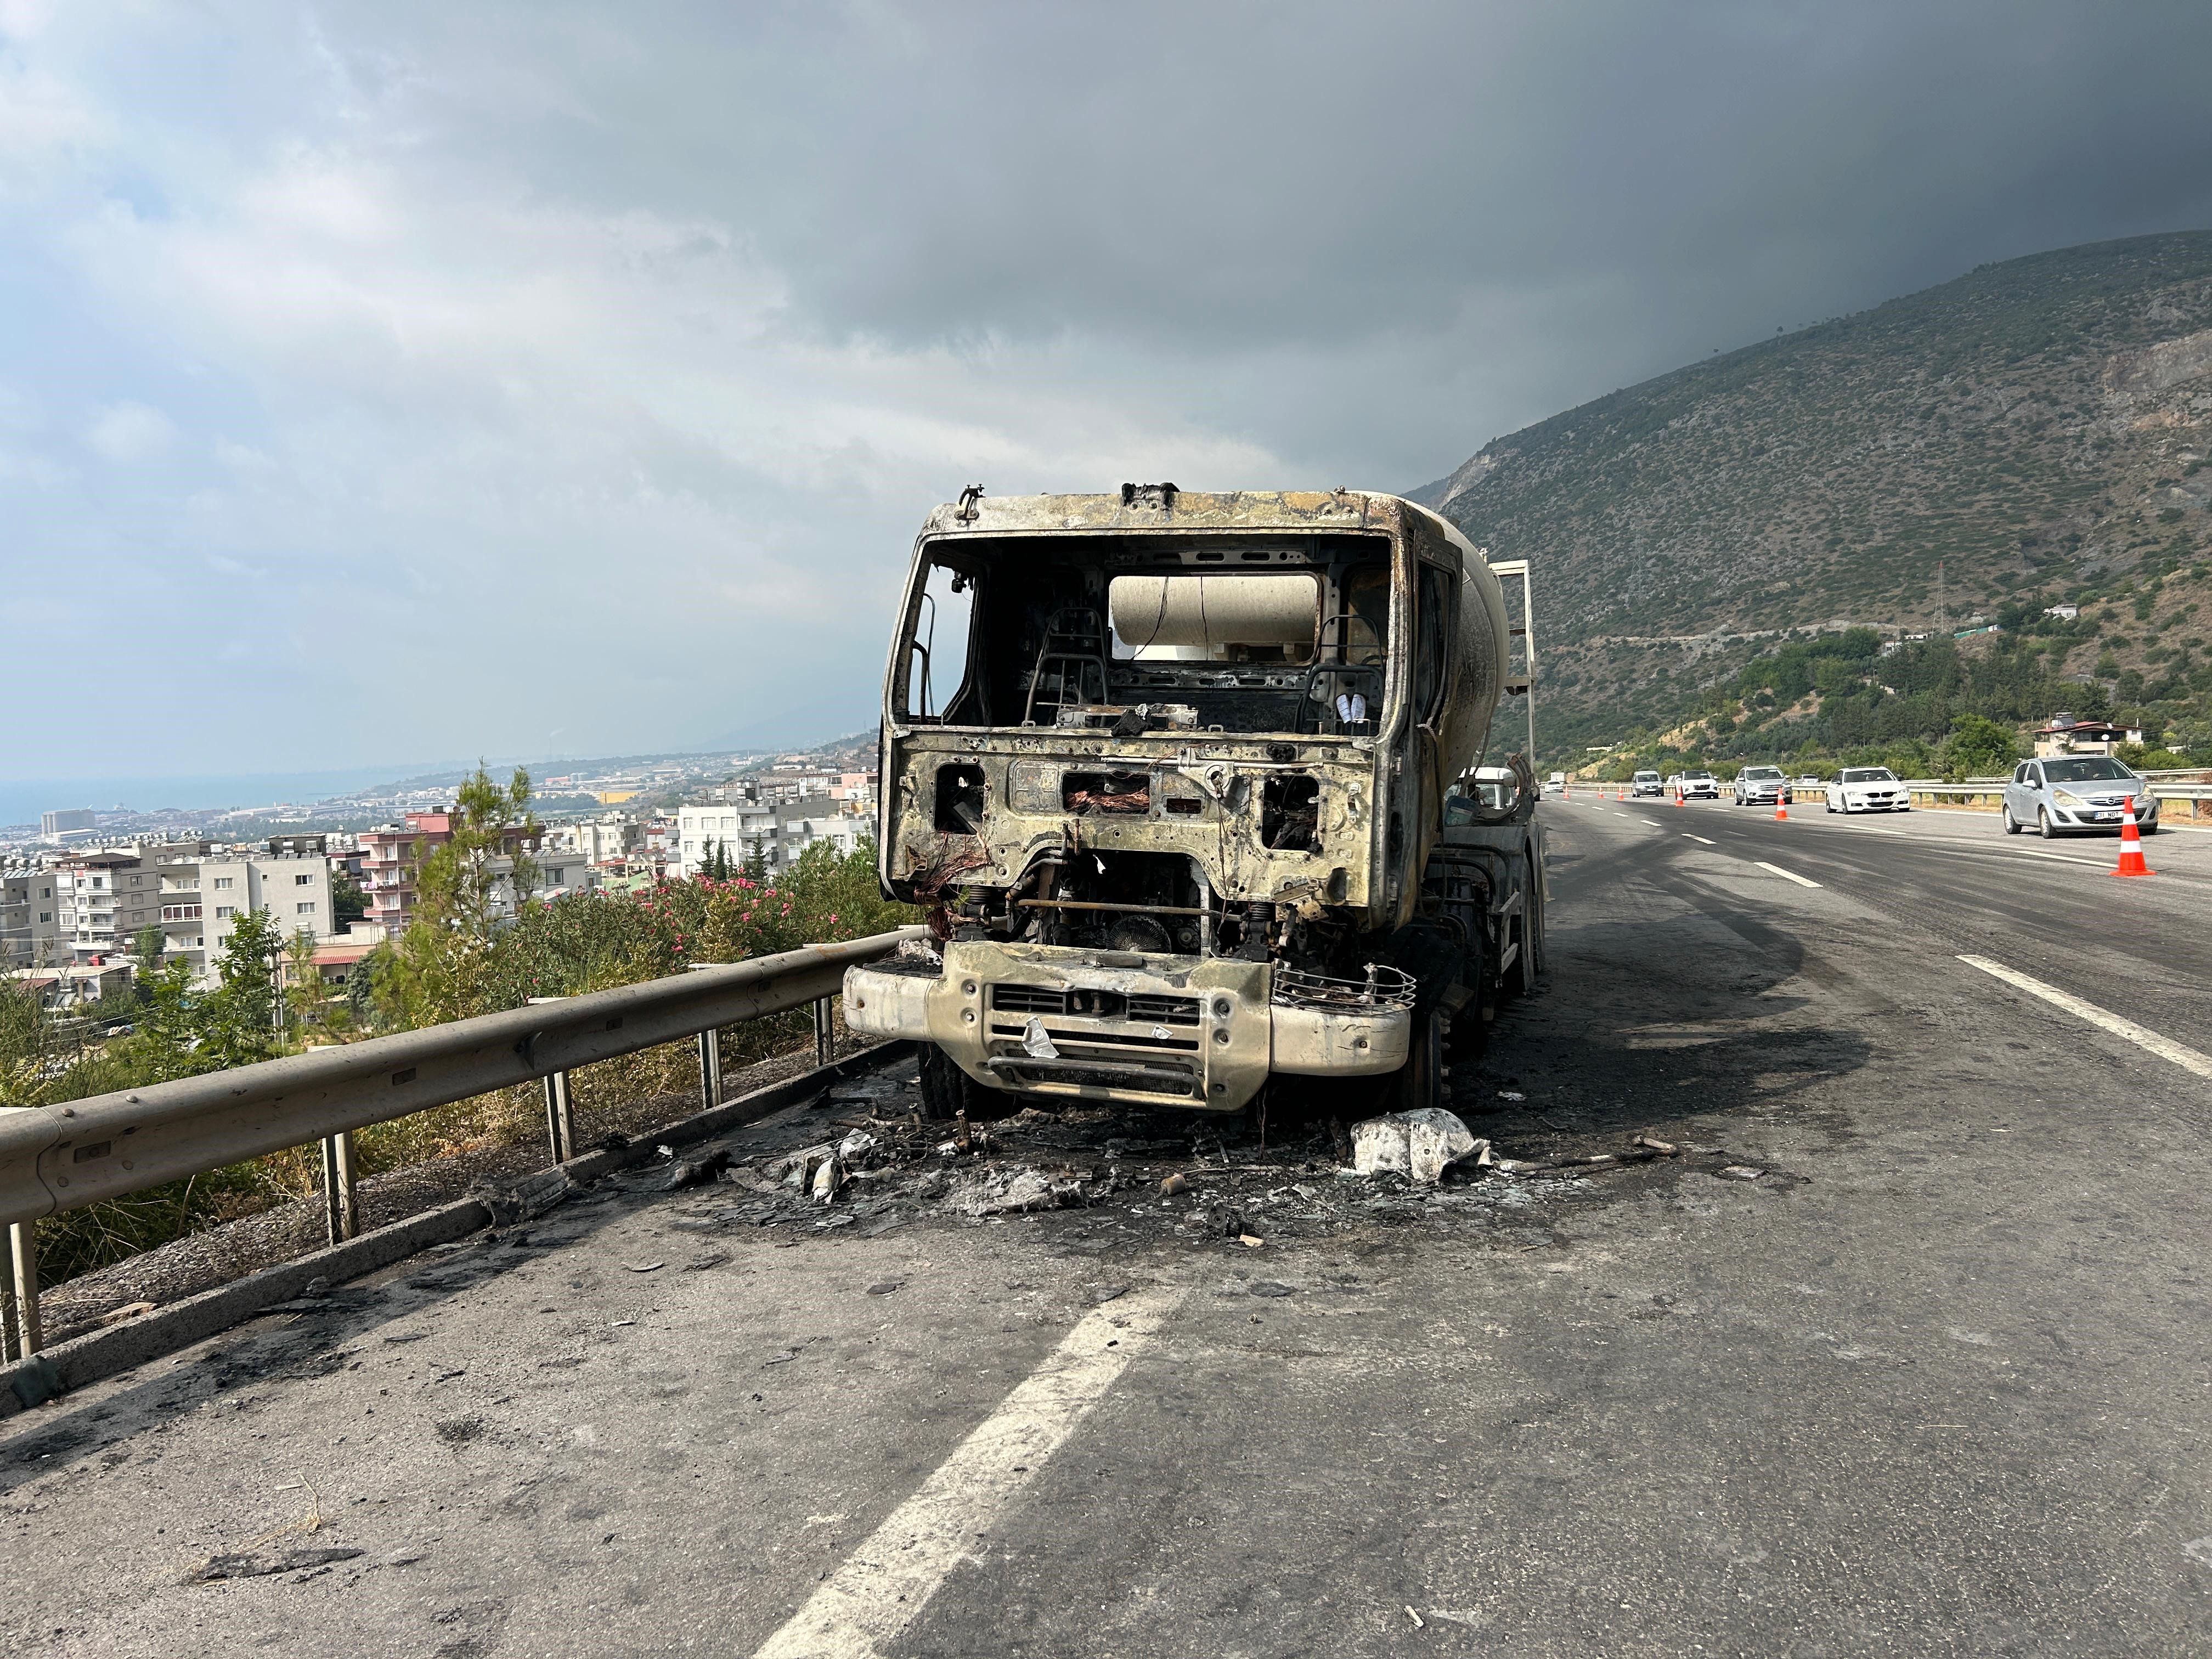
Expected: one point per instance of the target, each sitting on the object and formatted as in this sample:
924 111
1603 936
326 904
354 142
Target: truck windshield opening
1244 633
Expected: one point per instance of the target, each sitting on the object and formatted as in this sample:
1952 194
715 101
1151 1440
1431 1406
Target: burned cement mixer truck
1185 783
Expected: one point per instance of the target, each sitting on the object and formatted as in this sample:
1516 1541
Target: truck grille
1165 1010
1028 999
1082 1003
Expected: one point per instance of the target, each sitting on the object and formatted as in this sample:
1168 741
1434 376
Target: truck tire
1540 956
946 1091
1420 1082
1467 1033
1520 980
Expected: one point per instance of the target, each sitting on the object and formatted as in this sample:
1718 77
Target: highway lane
1934 1380
2142 947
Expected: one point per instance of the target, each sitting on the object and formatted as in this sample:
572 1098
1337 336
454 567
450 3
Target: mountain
2036 426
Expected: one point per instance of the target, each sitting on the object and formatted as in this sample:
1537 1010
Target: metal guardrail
1993 789
61 1158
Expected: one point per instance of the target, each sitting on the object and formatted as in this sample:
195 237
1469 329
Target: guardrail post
341 1205
823 1041
560 1120
559 1126
710 1069
23 1252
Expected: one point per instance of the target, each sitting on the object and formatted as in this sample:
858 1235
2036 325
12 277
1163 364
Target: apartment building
601 840
389 858
392 855
30 928
776 831
295 891
743 829
103 900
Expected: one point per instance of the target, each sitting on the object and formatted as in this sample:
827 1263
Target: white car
1868 789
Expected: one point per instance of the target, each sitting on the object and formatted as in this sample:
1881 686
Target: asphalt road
1907 1352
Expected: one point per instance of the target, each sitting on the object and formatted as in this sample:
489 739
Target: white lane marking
888 1577
2188 1059
1787 875
1686 836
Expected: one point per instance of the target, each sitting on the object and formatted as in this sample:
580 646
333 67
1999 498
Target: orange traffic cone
2132 857
1678 799
1781 808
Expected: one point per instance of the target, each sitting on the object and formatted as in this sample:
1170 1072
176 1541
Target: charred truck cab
1172 772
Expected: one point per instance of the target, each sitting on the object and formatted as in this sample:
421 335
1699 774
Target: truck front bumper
1202 1032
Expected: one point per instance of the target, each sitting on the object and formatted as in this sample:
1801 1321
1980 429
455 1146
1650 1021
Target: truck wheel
1421 1080
946 1091
1534 950
1466 1034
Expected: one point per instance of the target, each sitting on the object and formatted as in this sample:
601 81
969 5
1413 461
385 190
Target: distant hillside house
2067 736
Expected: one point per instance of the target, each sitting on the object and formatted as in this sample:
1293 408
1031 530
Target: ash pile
872 1163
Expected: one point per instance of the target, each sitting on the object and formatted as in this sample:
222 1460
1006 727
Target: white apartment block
295 892
600 841
743 828
777 833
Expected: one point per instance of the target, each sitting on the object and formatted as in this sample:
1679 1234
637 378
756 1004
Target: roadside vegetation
457 958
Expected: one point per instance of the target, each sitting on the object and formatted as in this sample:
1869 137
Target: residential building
53 825
563 870
391 856
2064 612
2065 735
30 926
776 832
73 986
295 891
103 900
743 830
299 846
599 840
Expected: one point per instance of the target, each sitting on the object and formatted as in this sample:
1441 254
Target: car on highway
2069 793
1761 786
1868 789
1556 784
1808 785
1646 783
1699 785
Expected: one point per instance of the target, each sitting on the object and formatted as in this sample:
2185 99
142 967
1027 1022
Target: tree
1979 747
347 902
441 972
237 1021
303 986
147 949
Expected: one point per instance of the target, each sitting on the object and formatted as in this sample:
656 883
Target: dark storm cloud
1230 176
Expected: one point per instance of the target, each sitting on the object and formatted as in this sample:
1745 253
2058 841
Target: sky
383 381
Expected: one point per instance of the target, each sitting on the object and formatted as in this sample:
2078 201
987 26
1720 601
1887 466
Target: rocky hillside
2034 426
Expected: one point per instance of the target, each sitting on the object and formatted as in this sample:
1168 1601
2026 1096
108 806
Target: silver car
2070 793
1761 786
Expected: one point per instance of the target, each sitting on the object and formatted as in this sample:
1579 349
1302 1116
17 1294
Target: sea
22 799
